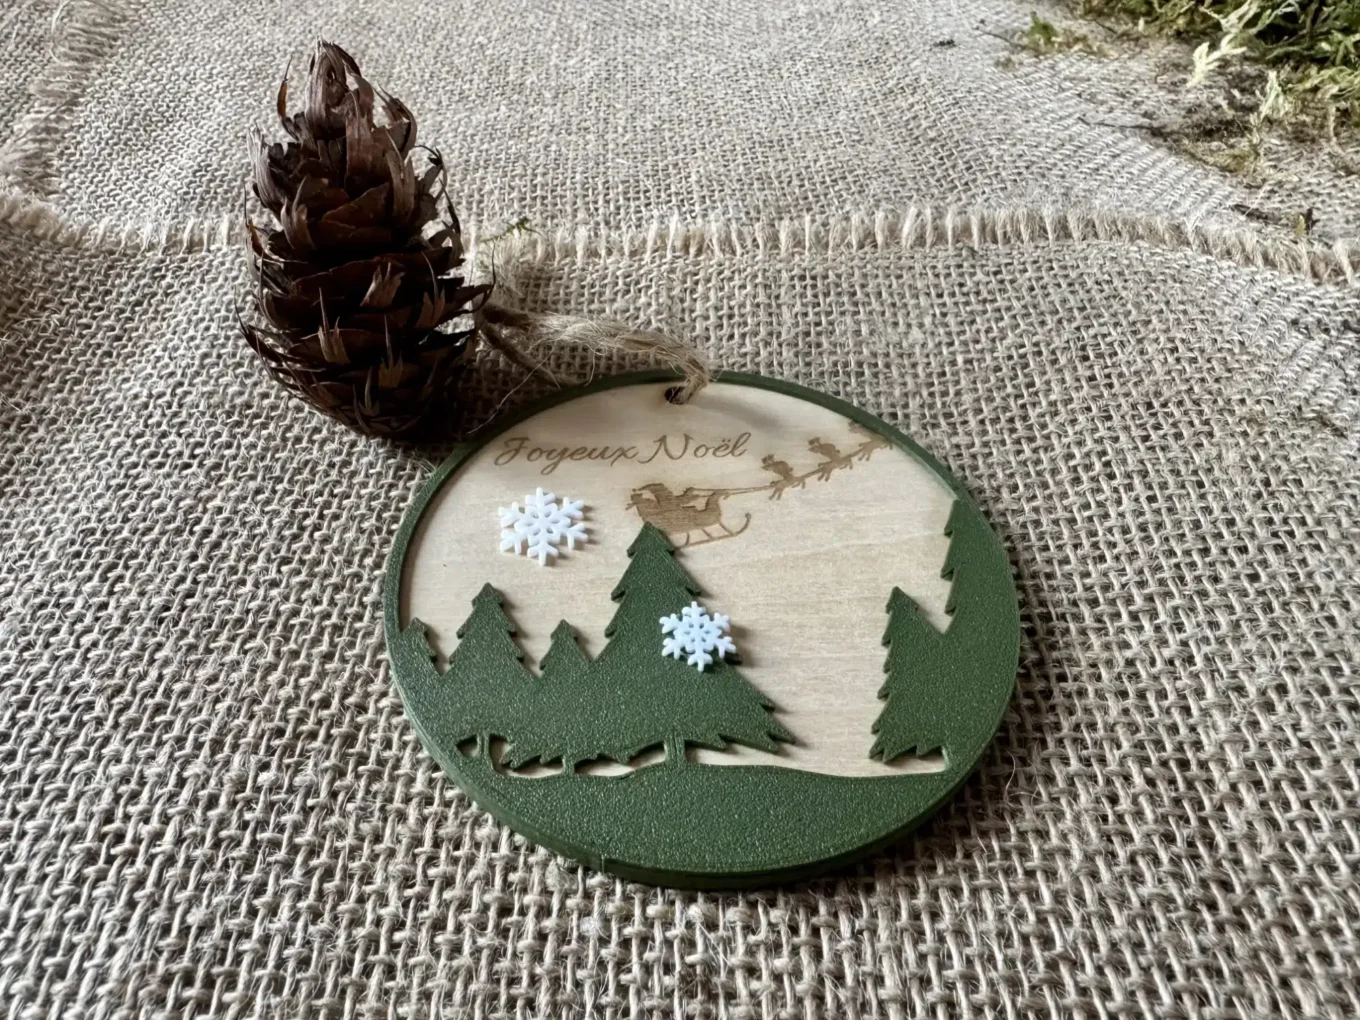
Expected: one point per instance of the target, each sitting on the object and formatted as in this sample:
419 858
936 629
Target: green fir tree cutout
630 699
661 700
567 716
925 687
486 689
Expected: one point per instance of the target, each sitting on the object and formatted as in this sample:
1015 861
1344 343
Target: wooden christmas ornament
790 636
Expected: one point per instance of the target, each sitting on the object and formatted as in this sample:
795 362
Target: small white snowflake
696 634
542 525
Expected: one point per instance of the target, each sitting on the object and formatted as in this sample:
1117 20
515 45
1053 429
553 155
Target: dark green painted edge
411 521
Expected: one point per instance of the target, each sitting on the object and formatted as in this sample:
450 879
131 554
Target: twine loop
525 337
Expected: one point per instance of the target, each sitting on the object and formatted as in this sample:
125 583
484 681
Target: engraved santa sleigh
687 516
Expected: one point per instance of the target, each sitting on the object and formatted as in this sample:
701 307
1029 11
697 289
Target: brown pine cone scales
361 271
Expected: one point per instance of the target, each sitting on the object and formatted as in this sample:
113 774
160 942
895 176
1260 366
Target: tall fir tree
923 690
660 700
917 686
486 690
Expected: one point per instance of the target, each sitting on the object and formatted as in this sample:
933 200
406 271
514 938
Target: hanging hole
675 395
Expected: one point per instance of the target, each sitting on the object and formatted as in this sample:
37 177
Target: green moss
1043 37
523 225
1302 34
1277 66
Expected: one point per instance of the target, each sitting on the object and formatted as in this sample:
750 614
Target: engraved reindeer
694 510
786 480
832 458
869 441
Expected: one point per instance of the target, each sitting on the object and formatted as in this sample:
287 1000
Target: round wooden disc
872 610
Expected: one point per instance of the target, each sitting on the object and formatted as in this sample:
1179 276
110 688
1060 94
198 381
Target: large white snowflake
696 634
542 525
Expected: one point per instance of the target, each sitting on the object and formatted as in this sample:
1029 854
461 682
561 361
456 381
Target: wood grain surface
795 522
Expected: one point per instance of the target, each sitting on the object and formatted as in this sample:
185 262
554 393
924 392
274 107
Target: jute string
525 338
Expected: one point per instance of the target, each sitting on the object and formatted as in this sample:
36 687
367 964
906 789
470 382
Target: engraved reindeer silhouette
684 514
833 459
871 441
787 479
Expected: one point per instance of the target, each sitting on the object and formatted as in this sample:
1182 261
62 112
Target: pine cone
362 271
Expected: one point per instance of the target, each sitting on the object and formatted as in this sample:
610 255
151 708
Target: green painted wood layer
678 822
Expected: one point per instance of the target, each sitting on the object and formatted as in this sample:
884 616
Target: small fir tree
569 718
486 689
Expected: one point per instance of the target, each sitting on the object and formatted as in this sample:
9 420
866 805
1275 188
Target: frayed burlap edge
86 32
913 229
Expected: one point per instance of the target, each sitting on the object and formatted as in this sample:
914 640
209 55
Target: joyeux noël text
665 447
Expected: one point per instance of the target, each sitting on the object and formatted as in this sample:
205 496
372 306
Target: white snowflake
542 525
696 634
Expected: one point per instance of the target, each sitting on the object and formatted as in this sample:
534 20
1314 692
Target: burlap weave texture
620 115
211 804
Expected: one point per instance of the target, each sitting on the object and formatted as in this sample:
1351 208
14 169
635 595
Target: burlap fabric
212 804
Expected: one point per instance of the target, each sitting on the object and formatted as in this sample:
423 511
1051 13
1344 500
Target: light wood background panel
805 577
